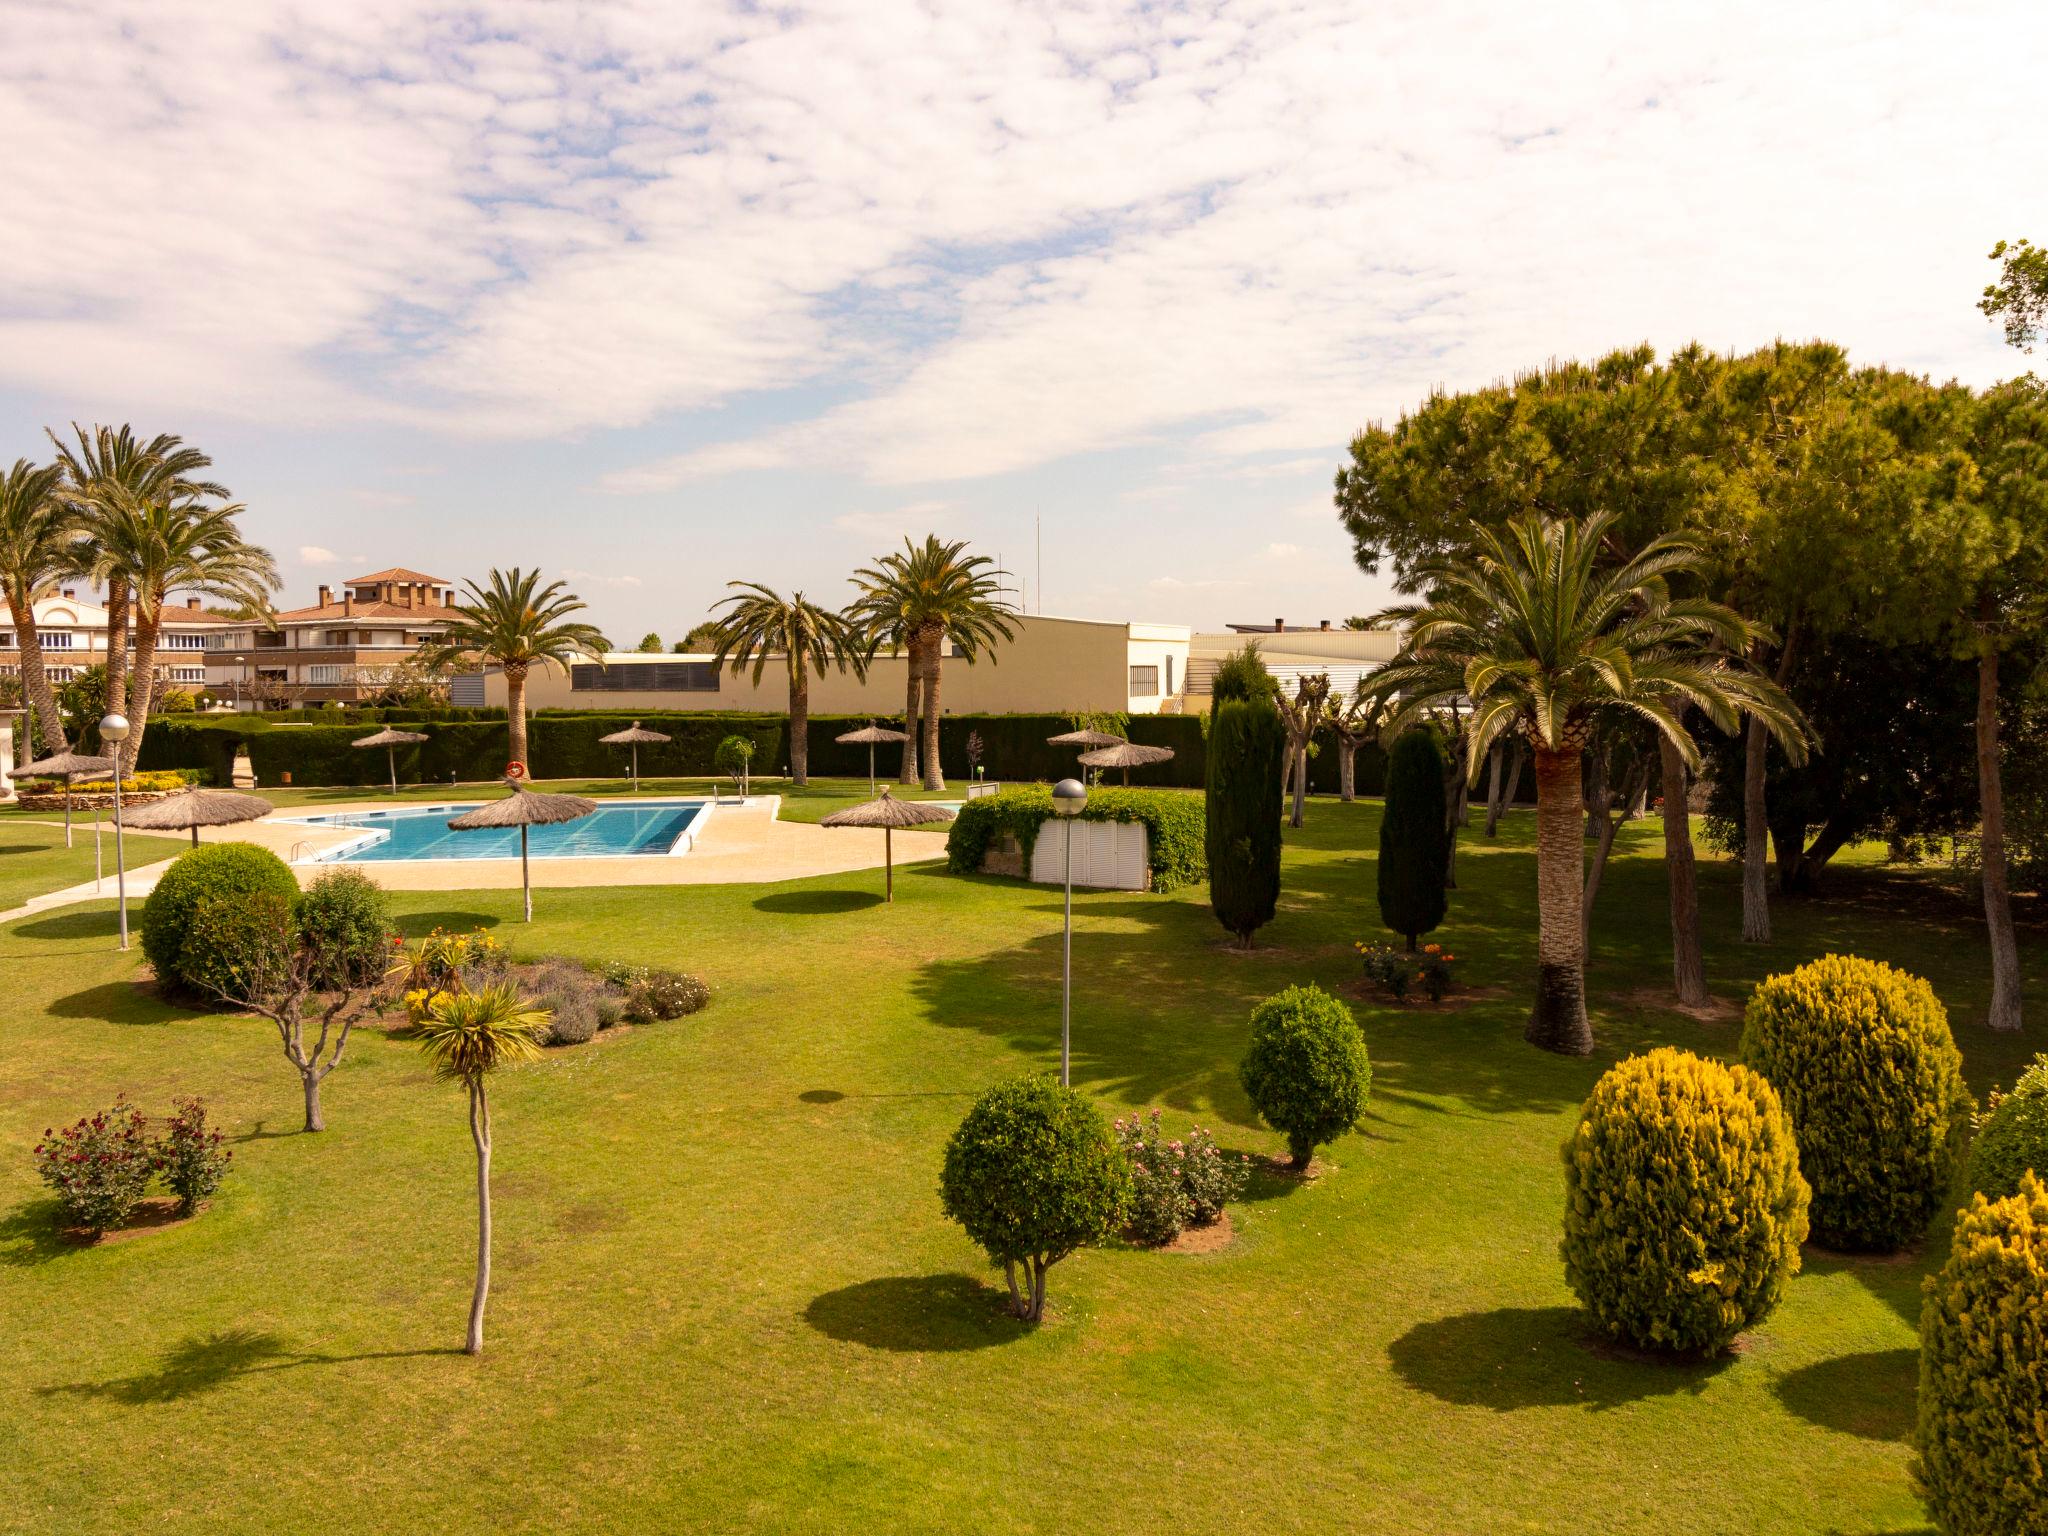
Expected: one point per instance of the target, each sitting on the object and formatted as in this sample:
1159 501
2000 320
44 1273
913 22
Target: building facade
348 647
1052 666
1292 652
73 633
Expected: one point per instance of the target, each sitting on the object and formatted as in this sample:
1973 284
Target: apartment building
73 632
345 648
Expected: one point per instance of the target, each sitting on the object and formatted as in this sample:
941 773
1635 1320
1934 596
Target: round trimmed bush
2013 1136
345 920
1033 1173
1982 1433
234 871
239 949
1306 1069
1684 1208
1862 1056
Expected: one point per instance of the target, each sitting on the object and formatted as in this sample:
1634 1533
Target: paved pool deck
740 843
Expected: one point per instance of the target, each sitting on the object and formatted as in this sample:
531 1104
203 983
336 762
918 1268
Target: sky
659 295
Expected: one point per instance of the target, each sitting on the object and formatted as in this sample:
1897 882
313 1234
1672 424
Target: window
177 642
57 639
6 639
645 677
188 674
1144 682
60 674
326 676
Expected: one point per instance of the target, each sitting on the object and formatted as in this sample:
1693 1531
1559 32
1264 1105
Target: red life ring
515 769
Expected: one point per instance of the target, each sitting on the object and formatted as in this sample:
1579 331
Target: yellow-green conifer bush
1862 1056
2012 1138
1983 1429
1684 1206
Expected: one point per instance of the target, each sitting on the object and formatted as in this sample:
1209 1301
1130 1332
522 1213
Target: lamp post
114 731
1068 796
243 663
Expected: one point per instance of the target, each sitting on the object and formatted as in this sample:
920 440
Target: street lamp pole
242 662
1068 796
114 731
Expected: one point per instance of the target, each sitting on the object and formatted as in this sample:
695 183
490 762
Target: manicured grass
726 1298
34 860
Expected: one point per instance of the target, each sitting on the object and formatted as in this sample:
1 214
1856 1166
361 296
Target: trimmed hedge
1863 1058
1174 824
1982 1434
1684 1208
2013 1137
228 871
1306 1070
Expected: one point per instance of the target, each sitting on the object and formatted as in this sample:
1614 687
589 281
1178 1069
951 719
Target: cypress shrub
2013 1136
224 871
1412 833
1306 1070
1247 743
1033 1173
1243 675
1862 1056
1982 1434
1684 1208
1174 826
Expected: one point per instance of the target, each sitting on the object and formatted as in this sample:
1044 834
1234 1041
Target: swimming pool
420 832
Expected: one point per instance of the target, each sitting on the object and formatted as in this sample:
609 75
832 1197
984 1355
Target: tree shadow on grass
34 1234
916 1314
1534 1357
74 923
817 903
206 1362
118 1002
417 925
1872 1394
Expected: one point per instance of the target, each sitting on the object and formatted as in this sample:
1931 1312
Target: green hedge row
1175 824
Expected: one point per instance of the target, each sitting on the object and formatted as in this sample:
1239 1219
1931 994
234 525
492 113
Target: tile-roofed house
73 631
344 647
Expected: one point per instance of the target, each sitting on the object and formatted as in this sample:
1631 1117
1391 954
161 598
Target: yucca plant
759 622
519 624
468 1036
1543 642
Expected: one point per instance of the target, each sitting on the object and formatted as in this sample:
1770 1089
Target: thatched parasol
66 765
888 813
871 734
191 809
1085 739
390 741
524 808
1125 755
632 738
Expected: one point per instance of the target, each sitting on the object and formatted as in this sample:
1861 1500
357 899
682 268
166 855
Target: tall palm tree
36 538
518 624
98 464
468 1036
759 622
921 597
1543 642
173 544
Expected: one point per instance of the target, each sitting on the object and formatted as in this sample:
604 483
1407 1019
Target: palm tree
468 1036
1542 643
760 622
166 545
107 460
920 598
516 623
36 538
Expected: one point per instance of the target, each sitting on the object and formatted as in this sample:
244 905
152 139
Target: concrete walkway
741 843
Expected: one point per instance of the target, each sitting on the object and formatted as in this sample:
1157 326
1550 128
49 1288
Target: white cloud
593 579
1280 552
313 554
1249 225
913 521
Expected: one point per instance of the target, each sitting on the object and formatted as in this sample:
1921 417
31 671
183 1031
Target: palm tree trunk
117 642
911 684
1558 1020
515 713
1688 960
35 678
934 774
1494 754
799 724
480 1133
2005 952
141 682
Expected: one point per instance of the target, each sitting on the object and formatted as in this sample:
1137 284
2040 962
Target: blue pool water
421 832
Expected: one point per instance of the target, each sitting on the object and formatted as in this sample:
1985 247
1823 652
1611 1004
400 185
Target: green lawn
726 1298
34 860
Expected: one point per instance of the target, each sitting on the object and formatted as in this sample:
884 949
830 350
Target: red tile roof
336 611
399 573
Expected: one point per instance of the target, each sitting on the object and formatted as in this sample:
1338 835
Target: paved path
741 843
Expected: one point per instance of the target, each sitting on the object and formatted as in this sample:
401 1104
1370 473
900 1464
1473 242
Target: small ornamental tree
1247 745
1306 1070
733 758
1412 837
1033 1173
98 1168
1684 1208
1982 1434
2012 1139
1862 1056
